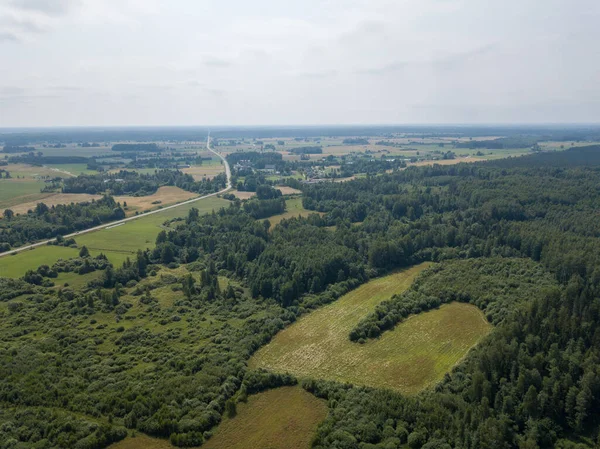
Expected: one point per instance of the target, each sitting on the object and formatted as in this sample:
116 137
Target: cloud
444 62
319 74
213 61
49 7
8 37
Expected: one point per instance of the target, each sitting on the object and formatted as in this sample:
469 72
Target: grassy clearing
284 418
117 243
409 358
293 209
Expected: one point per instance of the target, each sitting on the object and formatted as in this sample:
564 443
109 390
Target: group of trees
136 147
47 222
133 183
17 149
306 150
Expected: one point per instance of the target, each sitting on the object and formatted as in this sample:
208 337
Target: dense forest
518 238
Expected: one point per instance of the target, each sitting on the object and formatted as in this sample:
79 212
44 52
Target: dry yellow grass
285 190
284 418
53 199
166 195
243 195
204 171
409 358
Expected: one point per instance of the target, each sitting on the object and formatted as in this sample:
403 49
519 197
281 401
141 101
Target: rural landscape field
299 225
262 300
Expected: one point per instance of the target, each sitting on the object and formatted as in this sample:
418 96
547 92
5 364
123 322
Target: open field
166 195
408 358
117 243
16 191
293 209
208 169
285 190
123 241
243 195
141 441
74 169
24 185
52 199
283 418
15 266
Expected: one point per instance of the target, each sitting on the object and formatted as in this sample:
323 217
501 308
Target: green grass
293 209
117 243
16 266
141 441
123 241
17 191
75 169
283 418
409 358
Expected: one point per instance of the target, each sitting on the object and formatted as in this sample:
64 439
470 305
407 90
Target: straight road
135 217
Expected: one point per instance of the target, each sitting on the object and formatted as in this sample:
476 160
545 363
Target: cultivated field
284 418
52 199
16 266
243 195
208 169
166 195
16 191
409 358
285 190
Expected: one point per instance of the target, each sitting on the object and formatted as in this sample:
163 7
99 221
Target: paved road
125 220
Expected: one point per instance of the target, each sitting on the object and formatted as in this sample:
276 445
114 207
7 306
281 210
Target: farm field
117 243
208 169
16 191
408 358
243 195
52 199
15 266
283 418
166 195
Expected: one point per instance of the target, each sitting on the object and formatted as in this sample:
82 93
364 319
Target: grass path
409 358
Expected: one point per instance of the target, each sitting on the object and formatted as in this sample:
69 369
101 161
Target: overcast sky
225 62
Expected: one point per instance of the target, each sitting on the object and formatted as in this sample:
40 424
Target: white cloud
327 61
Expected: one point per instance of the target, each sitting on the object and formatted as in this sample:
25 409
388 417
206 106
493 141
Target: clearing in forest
283 418
412 356
293 208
